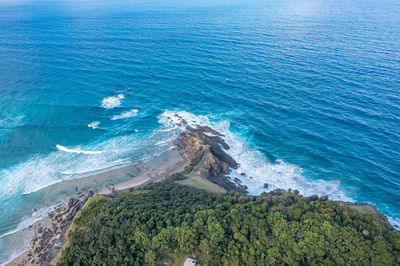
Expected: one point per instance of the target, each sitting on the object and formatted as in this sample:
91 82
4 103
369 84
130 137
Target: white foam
395 222
77 150
30 220
166 141
41 171
94 124
126 114
112 102
258 170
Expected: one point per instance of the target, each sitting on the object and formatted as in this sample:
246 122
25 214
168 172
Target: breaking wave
124 115
258 170
77 150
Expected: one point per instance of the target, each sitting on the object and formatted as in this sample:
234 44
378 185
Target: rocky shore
214 164
50 232
218 164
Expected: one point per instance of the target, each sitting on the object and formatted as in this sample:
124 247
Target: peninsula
192 208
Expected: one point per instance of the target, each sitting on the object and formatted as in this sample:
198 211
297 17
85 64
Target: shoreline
199 153
50 230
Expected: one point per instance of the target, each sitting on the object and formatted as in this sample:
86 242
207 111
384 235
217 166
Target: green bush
167 222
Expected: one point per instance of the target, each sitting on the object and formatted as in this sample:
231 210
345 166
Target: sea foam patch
253 163
112 102
94 124
126 114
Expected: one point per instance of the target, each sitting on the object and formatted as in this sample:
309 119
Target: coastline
200 155
48 234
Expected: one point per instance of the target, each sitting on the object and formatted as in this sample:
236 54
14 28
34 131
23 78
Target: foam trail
258 170
124 115
112 102
94 124
78 150
11 122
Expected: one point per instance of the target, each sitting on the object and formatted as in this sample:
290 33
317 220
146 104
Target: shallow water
306 92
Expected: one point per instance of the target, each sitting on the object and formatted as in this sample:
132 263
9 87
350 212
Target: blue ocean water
307 93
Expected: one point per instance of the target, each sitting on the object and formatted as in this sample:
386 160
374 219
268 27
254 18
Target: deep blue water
307 92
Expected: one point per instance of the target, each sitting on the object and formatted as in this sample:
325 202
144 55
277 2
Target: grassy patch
201 183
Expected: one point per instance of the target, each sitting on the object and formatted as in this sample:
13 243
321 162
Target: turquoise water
306 92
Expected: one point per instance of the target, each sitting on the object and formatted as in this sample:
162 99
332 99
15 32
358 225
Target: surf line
65 149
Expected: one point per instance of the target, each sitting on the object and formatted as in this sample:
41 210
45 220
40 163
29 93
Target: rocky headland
203 153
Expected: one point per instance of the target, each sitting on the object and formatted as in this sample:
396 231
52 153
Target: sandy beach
79 190
175 163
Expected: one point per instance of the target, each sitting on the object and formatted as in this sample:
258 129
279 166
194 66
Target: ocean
306 92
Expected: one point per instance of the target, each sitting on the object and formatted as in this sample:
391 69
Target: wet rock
242 174
237 180
70 203
266 185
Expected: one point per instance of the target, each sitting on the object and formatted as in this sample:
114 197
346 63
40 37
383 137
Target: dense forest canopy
167 222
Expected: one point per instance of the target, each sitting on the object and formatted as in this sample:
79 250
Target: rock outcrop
50 234
216 162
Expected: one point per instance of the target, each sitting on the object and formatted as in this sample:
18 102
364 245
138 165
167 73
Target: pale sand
174 164
106 183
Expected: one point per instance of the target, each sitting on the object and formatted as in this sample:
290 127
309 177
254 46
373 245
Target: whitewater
306 94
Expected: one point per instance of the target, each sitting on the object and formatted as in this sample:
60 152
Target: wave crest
124 115
94 124
253 163
77 150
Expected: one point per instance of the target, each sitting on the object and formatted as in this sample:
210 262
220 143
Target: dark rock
70 203
220 162
266 185
312 198
242 174
237 180
324 198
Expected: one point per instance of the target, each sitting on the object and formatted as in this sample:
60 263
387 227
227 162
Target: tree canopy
167 222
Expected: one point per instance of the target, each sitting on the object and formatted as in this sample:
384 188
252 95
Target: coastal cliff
201 213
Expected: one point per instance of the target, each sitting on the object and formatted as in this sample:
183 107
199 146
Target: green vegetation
166 222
